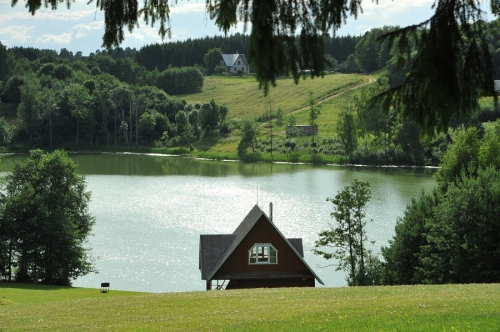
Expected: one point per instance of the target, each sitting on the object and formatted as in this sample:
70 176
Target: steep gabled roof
230 59
239 234
212 247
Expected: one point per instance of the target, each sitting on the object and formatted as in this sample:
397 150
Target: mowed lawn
398 308
245 100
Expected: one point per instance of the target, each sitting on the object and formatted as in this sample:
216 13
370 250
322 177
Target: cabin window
263 253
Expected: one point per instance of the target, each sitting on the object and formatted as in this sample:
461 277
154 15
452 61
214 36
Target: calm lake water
151 209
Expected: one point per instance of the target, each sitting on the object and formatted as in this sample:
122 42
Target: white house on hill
235 63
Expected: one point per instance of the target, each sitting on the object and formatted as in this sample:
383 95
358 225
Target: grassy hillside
245 100
403 308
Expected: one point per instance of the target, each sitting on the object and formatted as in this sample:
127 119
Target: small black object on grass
104 287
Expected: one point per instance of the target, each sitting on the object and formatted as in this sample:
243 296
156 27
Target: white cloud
143 36
62 39
81 30
16 33
47 15
185 8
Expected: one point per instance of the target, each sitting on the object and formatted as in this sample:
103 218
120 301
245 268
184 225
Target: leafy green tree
12 89
147 124
209 117
5 66
314 110
347 131
279 116
346 240
350 65
26 110
402 265
46 105
449 237
212 59
463 152
291 129
45 221
489 152
331 63
408 137
371 54
78 100
223 112
248 138
194 120
184 129
220 70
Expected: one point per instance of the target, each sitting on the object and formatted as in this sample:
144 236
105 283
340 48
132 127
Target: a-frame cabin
255 255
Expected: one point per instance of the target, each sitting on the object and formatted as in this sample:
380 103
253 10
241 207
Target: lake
151 209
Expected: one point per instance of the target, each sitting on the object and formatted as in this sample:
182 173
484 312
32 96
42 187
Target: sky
81 28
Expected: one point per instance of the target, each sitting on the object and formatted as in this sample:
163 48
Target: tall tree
345 241
45 221
78 100
248 138
27 110
347 131
212 59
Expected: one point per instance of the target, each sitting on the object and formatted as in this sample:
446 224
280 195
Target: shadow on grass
27 286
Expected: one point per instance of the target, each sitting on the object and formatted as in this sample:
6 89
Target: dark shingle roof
297 243
212 249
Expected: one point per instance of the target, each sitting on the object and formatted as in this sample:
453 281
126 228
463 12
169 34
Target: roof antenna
271 211
257 194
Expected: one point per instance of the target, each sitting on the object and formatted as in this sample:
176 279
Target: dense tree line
57 100
451 235
191 51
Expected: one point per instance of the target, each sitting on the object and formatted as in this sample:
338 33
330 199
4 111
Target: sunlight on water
147 229
151 210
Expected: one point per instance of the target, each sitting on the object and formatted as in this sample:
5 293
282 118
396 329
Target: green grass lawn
399 308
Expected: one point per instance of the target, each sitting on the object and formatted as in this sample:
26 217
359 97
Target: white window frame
266 250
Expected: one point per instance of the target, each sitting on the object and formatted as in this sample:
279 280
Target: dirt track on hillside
370 81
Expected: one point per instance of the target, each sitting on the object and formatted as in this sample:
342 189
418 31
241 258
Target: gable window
239 62
263 253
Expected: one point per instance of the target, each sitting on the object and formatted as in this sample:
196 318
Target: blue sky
81 27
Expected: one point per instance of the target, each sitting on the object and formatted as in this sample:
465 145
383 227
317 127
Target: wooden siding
270 283
263 232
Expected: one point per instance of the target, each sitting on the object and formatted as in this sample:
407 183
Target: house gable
263 231
235 63
257 228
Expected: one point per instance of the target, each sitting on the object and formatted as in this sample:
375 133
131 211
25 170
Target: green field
245 100
399 308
